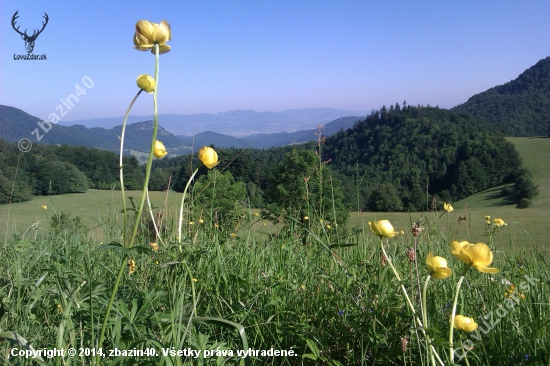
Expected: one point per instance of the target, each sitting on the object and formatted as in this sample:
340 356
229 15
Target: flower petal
459 253
162 32
146 29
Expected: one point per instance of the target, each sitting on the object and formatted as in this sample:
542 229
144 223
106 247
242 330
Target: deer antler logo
29 40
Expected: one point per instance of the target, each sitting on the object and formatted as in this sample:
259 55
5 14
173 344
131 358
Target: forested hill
520 107
403 148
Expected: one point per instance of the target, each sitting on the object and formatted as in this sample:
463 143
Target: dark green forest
384 163
520 107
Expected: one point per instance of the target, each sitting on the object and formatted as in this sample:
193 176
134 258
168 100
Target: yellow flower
146 82
499 222
487 219
44 207
148 33
131 266
256 214
265 224
154 246
191 223
195 280
159 150
382 228
328 227
477 255
208 156
306 218
303 287
464 323
233 235
402 232
448 207
437 267
215 225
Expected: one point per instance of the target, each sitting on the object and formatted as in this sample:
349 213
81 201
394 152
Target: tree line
390 161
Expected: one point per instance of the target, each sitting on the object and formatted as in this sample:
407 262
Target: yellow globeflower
487 219
209 157
44 207
437 267
328 227
382 228
131 266
306 218
479 256
499 222
146 82
464 323
148 33
159 150
448 207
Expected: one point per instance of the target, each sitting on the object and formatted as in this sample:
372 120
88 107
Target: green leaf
15 339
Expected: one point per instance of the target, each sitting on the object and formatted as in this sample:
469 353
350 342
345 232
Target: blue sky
269 55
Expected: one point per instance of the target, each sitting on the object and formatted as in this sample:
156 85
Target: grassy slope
525 226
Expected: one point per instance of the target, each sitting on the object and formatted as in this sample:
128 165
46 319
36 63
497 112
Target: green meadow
317 293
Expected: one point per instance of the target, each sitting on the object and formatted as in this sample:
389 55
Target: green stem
409 302
122 167
453 314
109 305
150 161
182 202
425 313
140 209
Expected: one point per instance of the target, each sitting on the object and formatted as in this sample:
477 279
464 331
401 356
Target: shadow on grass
507 200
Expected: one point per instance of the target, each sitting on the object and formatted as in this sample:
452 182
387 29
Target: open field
525 228
334 301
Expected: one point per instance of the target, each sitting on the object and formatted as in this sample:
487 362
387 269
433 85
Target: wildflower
499 222
464 323
131 266
233 235
328 227
402 232
154 246
303 287
60 308
195 280
448 207
208 156
410 254
44 207
191 223
437 267
201 221
256 214
148 34
487 219
477 255
216 225
306 218
282 247
382 228
159 150
265 224
156 262
146 82
403 343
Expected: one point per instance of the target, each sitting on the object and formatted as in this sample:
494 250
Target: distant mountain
237 123
265 141
520 107
16 124
285 138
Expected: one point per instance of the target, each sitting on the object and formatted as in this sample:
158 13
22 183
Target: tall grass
331 301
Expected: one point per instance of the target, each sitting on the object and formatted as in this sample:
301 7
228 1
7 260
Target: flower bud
146 82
